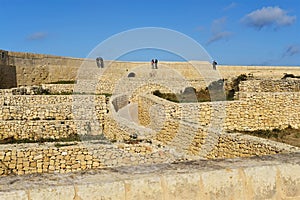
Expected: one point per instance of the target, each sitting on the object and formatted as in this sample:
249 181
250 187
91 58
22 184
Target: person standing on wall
214 64
152 63
100 63
155 63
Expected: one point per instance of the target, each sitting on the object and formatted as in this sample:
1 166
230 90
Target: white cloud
268 16
219 36
217 29
230 6
37 36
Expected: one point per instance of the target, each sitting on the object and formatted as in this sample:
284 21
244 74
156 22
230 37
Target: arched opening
131 75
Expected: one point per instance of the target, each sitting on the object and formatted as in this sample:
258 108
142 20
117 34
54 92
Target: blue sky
253 32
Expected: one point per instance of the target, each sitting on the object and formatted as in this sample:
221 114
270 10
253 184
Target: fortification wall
271 177
35 69
8 77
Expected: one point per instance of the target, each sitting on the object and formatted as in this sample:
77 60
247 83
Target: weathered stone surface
266 177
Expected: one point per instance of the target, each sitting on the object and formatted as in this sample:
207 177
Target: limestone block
100 191
261 182
13 195
179 186
57 192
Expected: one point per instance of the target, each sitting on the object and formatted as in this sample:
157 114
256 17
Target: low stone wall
269 85
59 88
119 101
232 145
119 128
51 116
179 128
266 177
76 156
256 111
48 129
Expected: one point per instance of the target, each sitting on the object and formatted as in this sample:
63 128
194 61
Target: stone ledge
266 177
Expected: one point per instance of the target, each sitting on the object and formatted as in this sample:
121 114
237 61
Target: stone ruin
49 129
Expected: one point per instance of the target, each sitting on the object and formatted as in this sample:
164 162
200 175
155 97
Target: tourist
152 63
155 63
100 63
214 64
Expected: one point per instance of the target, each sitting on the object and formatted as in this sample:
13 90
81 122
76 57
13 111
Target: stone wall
232 145
266 177
35 69
76 156
256 111
190 128
8 77
267 85
118 128
51 116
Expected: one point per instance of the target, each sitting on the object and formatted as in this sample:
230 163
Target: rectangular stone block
104 190
51 193
181 186
14 195
144 188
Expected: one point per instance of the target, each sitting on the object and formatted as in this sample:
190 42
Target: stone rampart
35 69
8 77
266 177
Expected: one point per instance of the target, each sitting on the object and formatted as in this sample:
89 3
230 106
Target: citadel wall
35 69
265 177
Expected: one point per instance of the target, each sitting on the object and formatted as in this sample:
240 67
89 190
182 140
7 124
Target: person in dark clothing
155 63
152 63
100 63
214 64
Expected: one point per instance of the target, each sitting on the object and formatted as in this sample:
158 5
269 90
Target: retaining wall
266 177
256 111
51 116
76 156
269 85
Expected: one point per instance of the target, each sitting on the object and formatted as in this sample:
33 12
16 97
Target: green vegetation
288 135
57 145
216 91
71 138
63 82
